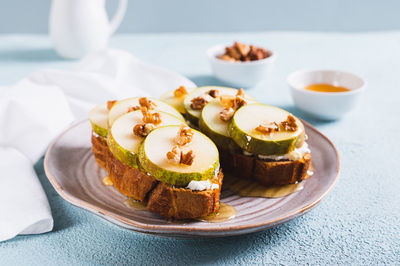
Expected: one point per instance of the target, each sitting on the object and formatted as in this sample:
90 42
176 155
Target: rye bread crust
265 172
128 180
100 149
166 200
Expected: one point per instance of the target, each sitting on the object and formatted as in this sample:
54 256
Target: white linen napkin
39 107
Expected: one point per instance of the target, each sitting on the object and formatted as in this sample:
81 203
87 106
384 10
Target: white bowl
239 74
325 105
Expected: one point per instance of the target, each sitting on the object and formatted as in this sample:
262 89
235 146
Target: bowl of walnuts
240 65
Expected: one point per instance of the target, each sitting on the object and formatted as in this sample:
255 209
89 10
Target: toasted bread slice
266 172
181 203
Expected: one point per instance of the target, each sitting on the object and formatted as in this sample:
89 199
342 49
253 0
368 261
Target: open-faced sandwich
256 141
152 156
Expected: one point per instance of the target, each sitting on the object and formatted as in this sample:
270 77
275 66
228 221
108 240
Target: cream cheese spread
294 155
202 185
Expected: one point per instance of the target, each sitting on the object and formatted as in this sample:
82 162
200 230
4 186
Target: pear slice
121 107
98 119
194 115
153 157
215 128
176 102
249 117
124 144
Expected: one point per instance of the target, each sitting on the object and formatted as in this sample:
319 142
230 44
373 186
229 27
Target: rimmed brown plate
72 170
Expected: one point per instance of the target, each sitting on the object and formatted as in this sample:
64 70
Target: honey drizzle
135 205
226 212
249 188
107 181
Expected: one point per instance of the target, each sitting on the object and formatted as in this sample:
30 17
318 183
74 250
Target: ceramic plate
72 170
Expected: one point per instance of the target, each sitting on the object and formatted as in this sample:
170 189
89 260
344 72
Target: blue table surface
357 223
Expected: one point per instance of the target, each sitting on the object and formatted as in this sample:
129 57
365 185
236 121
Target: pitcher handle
119 15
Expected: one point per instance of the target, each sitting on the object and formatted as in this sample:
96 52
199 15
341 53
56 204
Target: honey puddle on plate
107 181
324 87
248 188
135 205
226 212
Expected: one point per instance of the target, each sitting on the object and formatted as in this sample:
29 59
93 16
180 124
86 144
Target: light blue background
356 224
31 16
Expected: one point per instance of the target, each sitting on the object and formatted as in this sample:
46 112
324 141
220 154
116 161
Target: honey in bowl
325 87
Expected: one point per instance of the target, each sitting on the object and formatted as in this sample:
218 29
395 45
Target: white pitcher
78 27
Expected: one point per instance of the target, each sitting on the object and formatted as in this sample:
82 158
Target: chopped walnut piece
239 102
289 124
110 104
233 52
226 114
213 93
144 102
148 117
243 49
187 158
227 58
142 130
175 155
185 135
227 101
178 157
240 93
257 53
153 118
144 110
268 129
198 103
133 108
179 92
234 102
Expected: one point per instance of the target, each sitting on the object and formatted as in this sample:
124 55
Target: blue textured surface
358 223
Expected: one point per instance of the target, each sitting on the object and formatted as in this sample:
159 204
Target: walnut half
198 103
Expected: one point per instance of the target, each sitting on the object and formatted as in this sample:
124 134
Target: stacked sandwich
151 155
